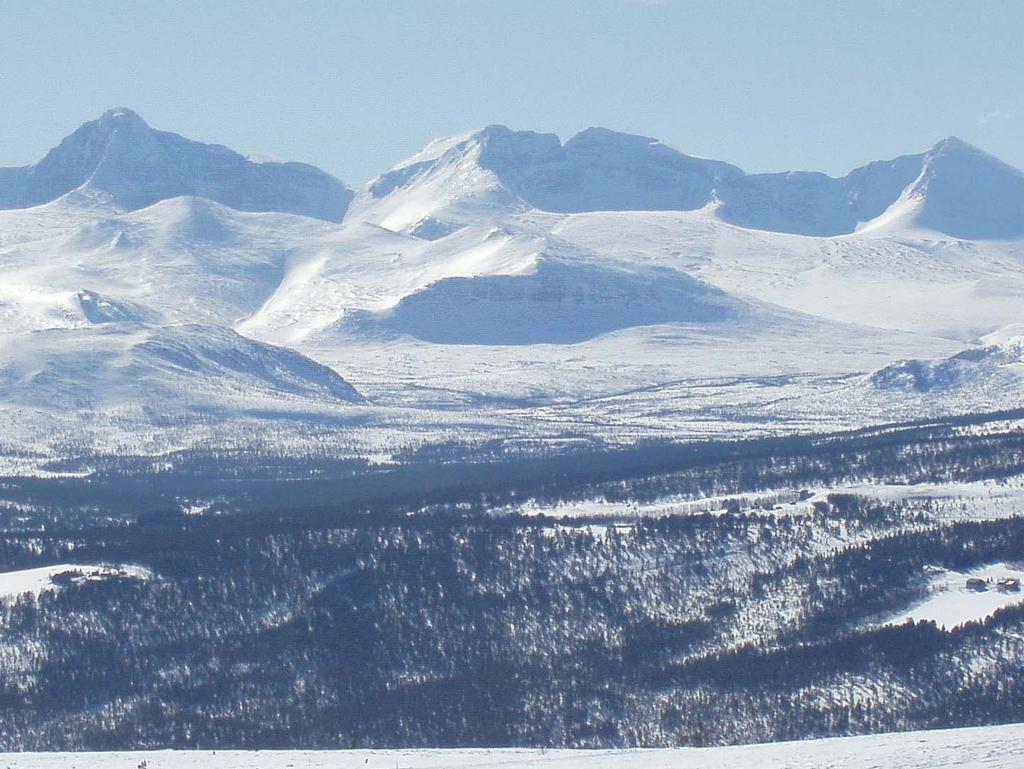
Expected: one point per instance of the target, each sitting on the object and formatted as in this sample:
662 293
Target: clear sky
354 87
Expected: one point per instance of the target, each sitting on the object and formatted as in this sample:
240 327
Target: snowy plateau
160 295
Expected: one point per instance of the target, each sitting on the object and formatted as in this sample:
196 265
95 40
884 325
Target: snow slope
158 367
989 747
922 282
180 260
553 302
960 191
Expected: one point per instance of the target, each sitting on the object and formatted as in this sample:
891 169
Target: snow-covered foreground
992 747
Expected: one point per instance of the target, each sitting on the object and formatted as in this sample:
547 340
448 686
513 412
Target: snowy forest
428 605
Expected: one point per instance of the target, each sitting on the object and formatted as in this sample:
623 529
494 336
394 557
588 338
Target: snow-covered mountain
119 156
552 302
498 283
953 188
963 192
187 366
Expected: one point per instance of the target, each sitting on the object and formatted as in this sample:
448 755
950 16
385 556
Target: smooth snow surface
992 747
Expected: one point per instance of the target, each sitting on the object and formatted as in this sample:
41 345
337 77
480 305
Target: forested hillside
769 616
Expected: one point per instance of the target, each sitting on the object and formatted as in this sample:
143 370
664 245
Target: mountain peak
134 166
598 136
121 115
92 136
494 130
967 193
952 149
952 144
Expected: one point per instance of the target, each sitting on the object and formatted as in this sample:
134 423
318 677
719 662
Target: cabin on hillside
976 584
1008 585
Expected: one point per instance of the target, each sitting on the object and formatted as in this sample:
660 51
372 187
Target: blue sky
356 86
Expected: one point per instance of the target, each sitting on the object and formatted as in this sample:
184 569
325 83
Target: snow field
992 747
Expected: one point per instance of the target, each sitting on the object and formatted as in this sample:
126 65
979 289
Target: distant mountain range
156 292
952 188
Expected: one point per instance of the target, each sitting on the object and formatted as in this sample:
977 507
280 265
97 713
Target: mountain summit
120 156
965 192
